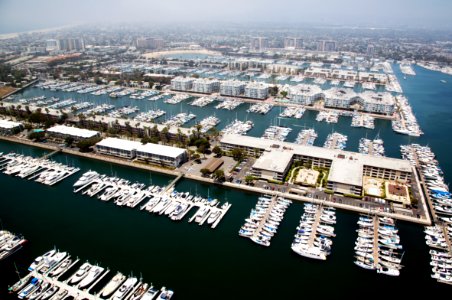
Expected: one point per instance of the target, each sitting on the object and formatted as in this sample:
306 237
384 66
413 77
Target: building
305 94
339 98
326 46
346 170
259 43
9 127
256 90
182 84
61 132
232 88
161 155
206 86
381 103
152 153
117 147
283 69
71 44
293 43
52 45
150 43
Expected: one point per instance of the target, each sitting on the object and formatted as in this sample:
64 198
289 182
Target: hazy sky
18 15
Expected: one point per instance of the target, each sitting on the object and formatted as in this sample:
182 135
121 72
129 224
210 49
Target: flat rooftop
346 167
119 144
9 124
73 131
275 161
162 150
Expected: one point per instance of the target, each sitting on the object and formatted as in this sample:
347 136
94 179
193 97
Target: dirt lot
4 90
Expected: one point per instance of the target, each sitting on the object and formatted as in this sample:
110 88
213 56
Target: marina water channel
198 262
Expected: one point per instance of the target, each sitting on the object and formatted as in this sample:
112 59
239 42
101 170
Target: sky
22 15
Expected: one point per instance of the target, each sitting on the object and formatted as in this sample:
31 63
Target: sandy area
16 34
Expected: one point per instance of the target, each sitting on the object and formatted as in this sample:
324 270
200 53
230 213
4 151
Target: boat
80 274
165 294
139 292
93 273
114 283
50 292
40 259
388 271
124 289
61 268
30 288
86 178
150 294
311 252
39 291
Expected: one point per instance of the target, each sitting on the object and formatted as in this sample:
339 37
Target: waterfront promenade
330 201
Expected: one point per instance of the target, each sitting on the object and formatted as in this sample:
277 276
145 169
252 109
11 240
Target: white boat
61 268
150 294
114 283
388 271
86 178
40 259
165 294
139 292
80 274
50 292
125 288
93 273
310 252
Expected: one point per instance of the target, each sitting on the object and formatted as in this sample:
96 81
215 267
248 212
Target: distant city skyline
24 15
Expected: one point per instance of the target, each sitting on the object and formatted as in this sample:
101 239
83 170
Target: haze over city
20 15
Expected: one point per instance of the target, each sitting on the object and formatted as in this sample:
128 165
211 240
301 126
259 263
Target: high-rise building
150 43
370 50
259 43
327 46
52 45
71 44
293 43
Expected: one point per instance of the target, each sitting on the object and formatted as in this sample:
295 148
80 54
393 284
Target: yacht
80 274
165 294
93 273
388 271
125 288
113 285
150 294
39 291
139 292
50 292
30 288
213 217
312 252
61 268
40 259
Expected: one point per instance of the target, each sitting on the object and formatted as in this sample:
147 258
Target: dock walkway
375 248
267 214
314 226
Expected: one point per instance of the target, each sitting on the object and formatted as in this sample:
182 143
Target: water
202 263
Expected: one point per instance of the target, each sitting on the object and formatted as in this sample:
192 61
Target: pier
318 213
48 155
173 183
375 249
265 217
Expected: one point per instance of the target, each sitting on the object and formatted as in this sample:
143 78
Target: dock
173 183
446 236
264 219
106 272
49 155
376 256
225 210
318 213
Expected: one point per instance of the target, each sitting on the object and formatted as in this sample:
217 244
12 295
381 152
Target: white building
117 147
339 97
382 103
206 86
256 90
161 154
61 132
305 94
152 153
182 84
9 127
232 88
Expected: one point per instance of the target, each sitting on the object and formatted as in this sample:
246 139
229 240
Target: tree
273 90
237 154
249 179
284 94
37 136
217 150
219 175
68 141
196 157
86 144
204 172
